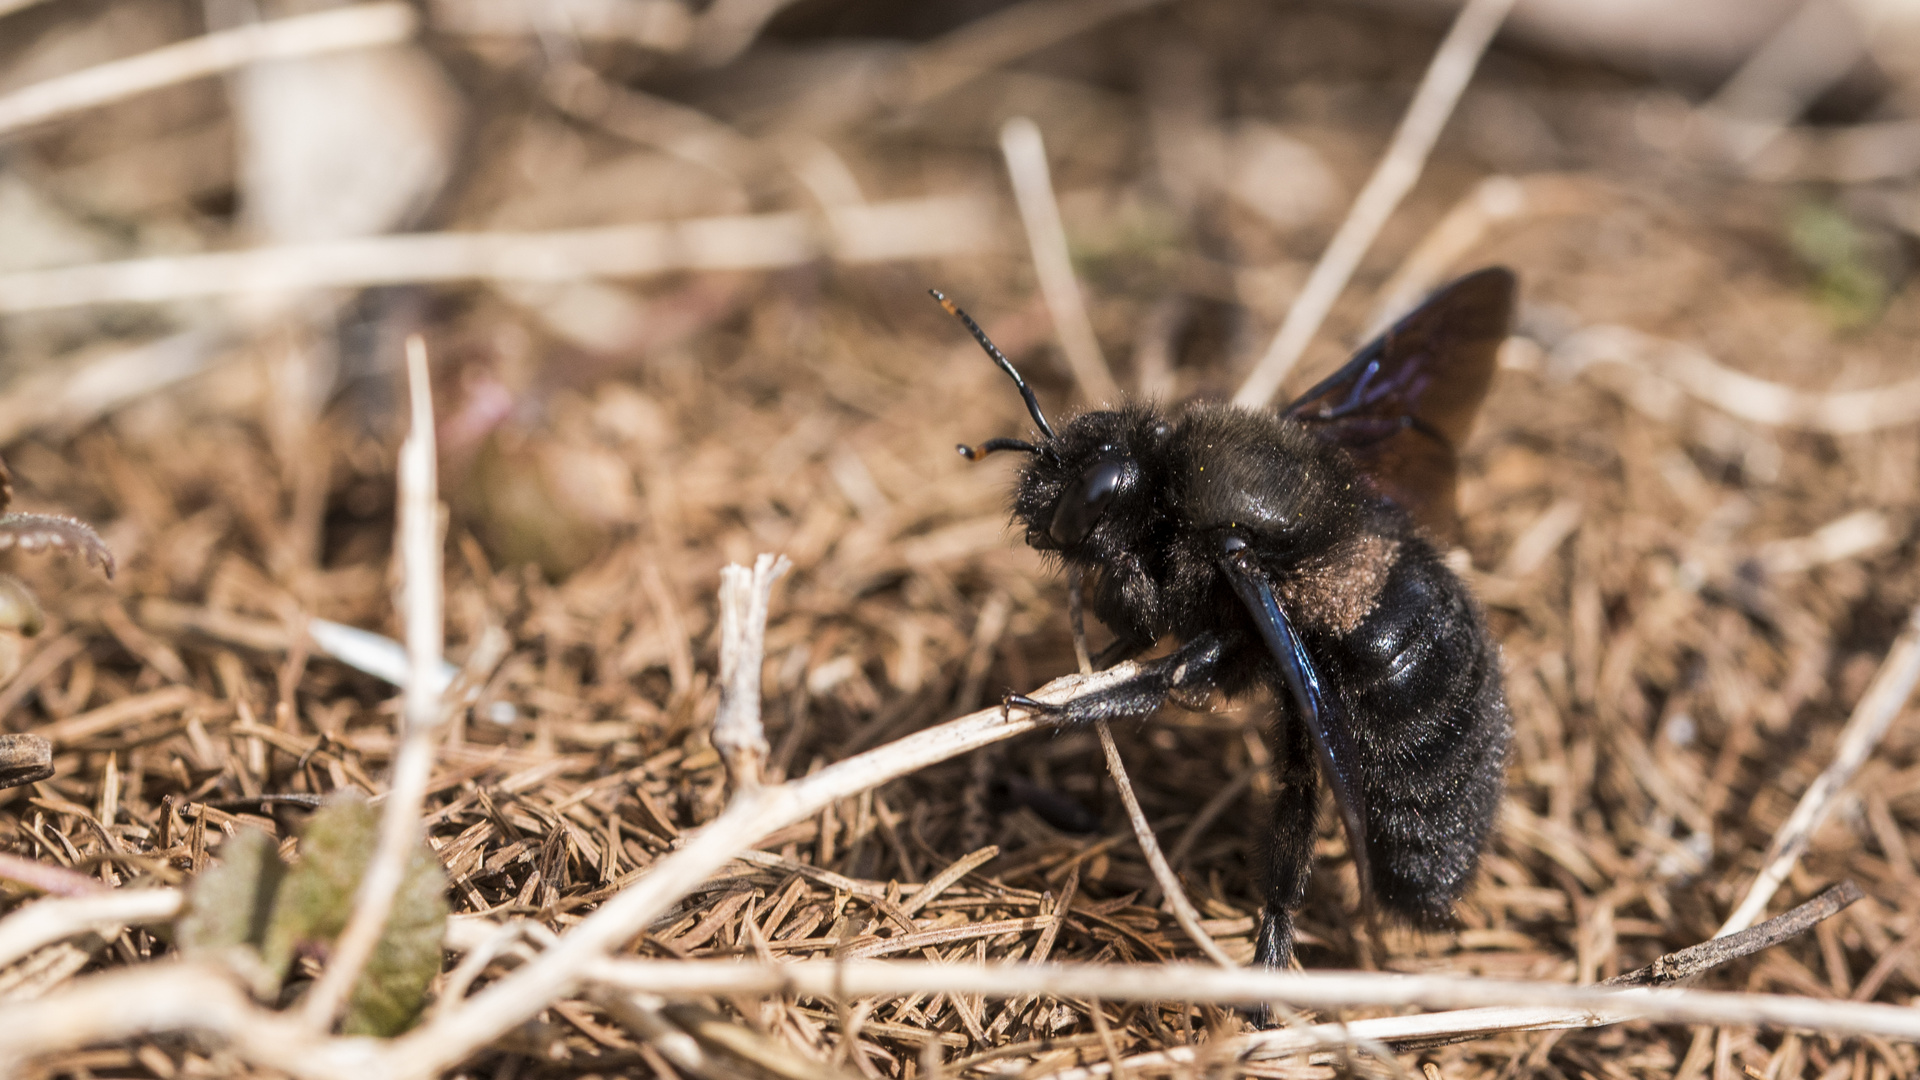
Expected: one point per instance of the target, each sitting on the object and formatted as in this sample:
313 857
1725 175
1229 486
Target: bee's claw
1032 705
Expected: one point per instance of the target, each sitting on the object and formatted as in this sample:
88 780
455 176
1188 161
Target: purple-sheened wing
1406 401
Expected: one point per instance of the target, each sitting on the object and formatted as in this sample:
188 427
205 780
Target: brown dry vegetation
1680 660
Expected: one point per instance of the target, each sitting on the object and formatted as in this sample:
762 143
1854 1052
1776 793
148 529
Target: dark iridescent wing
1405 403
1325 720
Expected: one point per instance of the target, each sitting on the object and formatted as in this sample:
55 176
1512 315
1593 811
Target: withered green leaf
256 914
317 900
229 906
393 988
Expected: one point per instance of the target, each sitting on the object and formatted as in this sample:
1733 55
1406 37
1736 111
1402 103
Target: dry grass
1683 641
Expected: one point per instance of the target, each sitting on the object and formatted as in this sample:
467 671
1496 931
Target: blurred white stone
1279 177
1705 39
353 144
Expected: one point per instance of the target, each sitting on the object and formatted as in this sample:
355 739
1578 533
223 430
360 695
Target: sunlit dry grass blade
357 26
902 229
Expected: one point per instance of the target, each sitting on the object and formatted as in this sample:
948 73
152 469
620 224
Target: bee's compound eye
1080 508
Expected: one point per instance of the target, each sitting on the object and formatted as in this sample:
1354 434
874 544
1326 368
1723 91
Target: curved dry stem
44 922
34 532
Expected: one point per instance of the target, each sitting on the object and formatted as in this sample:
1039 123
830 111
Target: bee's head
1086 494
1079 474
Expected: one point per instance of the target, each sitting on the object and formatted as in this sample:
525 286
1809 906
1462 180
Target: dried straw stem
1396 174
1026 156
188 997
400 828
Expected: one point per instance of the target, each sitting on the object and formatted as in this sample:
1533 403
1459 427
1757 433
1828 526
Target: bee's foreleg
1192 664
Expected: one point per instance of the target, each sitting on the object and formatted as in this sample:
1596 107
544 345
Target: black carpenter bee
1299 551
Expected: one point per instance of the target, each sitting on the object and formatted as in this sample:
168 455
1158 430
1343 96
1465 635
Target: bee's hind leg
1288 856
1192 664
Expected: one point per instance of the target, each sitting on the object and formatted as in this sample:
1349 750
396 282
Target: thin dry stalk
1891 687
362 26
1183 910
1406 158
877 232
1026 156
737 731
400 829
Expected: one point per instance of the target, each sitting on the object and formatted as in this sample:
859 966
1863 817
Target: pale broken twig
1689 962
1184 912
1399 169
1026 156
360 26
400 828
1812 49
185 997
737 731
1888 693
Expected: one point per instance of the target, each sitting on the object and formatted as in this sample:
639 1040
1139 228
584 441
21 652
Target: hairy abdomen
1420 678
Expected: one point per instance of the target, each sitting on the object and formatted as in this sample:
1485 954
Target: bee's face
1088 476
1083 500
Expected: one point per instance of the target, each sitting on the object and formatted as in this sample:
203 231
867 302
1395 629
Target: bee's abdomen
1429 715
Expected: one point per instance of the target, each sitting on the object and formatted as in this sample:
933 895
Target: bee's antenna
975 453
979 335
